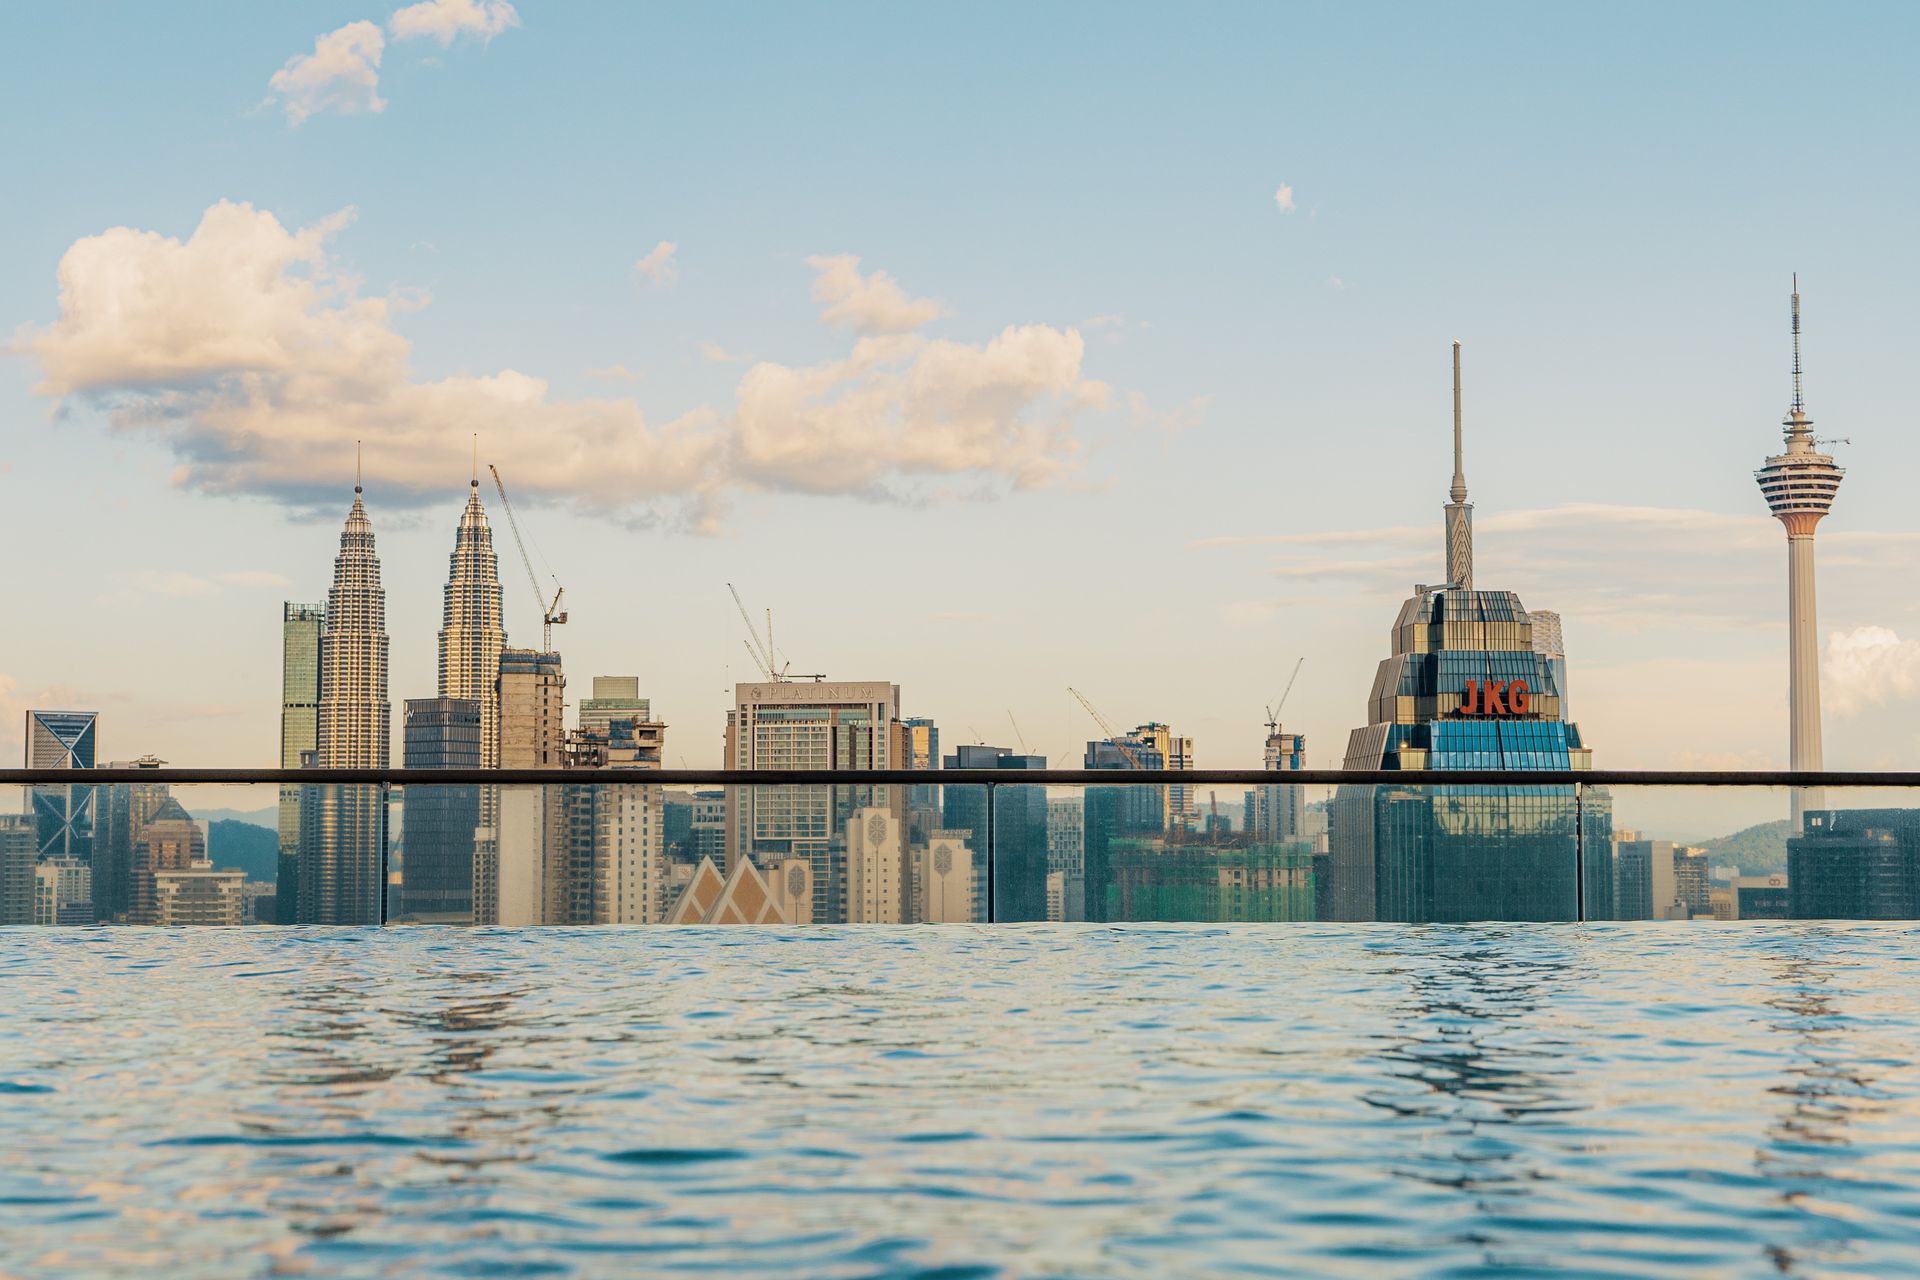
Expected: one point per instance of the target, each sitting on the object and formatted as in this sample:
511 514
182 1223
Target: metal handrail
970 777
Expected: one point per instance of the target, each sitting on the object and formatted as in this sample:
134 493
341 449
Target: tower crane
1017 735
1273 712
553 615
1133 761
765 656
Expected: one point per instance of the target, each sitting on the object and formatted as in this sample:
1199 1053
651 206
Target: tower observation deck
1799 485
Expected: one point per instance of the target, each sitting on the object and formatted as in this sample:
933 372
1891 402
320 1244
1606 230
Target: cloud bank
1866 668
260 362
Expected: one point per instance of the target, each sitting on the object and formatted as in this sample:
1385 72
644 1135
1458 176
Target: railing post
1580 851
990 851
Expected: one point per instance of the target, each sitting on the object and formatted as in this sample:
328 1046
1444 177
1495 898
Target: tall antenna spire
1799 403
1459 511
1459 491
476 459
356 466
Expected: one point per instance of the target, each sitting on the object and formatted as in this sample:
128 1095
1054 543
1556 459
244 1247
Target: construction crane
765 656
1019 737
1133 761
1273 712
553 615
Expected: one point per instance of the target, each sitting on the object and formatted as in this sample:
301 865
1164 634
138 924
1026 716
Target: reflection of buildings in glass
343 829
63 813
1466 688
791 724
438 839
1112 812
300 628
1153 878
1019 842
1855 864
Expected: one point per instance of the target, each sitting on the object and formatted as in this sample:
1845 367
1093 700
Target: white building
62 892
943 880
876 872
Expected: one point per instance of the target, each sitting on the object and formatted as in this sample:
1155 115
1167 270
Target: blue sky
1242 410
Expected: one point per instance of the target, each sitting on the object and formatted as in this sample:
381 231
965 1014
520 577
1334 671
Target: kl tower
1799 485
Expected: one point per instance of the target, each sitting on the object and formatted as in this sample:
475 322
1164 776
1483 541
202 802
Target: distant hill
1756 851
253 849
269 818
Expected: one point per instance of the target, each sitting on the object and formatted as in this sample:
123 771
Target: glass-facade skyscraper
1466 688
63 814
1019 849
438 839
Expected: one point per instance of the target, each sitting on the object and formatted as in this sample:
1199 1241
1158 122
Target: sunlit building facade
63 812
1465 688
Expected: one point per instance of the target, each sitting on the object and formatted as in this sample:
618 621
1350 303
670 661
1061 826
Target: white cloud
868 304
714 353
1283 198
613 373
341 74
446 20
658 265
260 363
1867 667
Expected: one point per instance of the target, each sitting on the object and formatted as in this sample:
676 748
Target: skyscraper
1465 688
63 812
437 881
300 628
511 882
1275 811
19 882
472 633
1111 813
791 724
1177 799
343 828
1799 486
170 841
1019 845
121 811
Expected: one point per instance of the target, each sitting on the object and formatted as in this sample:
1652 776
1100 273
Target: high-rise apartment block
877 876
1800 485
63 892
510 882
1276 811
1855 864
791 724
19 843
1067 854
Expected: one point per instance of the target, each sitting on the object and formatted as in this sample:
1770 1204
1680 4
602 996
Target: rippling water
1012 1101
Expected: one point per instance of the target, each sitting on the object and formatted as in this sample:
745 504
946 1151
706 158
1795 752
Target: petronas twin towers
343 828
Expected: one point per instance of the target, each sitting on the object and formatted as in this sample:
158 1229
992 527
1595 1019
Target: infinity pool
1004 1101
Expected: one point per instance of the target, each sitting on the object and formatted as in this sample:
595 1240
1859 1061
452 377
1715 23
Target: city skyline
1287 513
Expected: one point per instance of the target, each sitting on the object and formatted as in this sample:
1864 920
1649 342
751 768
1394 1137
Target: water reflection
1039 1100
1829 1090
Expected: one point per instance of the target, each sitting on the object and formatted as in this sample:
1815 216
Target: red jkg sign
1496 698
